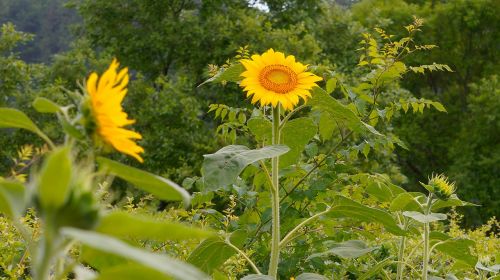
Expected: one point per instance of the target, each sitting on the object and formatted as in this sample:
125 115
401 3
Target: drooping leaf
163 264
156 185
44 105
296 141
322 101
450 202
131 272
122 224
11 198
13 118
423 218
458 249
310 276
223 167
383 191
405 202
347 208
55 177
210 254
348 249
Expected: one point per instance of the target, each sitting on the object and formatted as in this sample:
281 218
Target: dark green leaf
296 141
210 254
13 118
310 276
458 249
261 129
131 272
347 208
405 202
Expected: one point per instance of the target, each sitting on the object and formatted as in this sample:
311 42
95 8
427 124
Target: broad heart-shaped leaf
131 272
348 249
322 101
296 134
422 218
450 202
257 277
223 167
210 254
261 128
44 105
458 249
231 74
55 177
13 118
156 185
12 201
163 264
347 208
310 276
123 224
405 202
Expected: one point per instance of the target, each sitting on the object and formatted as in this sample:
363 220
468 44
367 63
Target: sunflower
274 79
442 188
106 94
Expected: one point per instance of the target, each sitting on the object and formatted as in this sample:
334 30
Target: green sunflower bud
441 186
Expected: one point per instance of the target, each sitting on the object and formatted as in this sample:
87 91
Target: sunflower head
105 119
441 186
273 78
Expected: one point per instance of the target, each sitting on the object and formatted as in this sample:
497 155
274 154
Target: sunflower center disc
278 78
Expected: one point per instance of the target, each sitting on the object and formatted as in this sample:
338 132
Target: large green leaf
13 118
458 249
322 101
55 178
131 272
211 254
348 249
163 264
423 218
156 185
223 167
347 208
405 202
12 201
261 128
124 224
296 134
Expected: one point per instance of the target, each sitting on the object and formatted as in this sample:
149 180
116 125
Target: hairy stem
425 268
275 238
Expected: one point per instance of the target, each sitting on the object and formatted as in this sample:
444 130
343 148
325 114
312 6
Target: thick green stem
401 266
42 267
275 238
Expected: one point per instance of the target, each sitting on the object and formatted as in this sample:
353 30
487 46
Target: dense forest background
49 45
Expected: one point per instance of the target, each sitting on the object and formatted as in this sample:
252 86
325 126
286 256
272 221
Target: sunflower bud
441 186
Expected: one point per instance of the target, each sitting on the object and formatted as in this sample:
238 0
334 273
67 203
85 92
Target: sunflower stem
425 268
275 238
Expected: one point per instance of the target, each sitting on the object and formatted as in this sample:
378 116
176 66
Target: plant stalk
401 253
275 206
425 268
